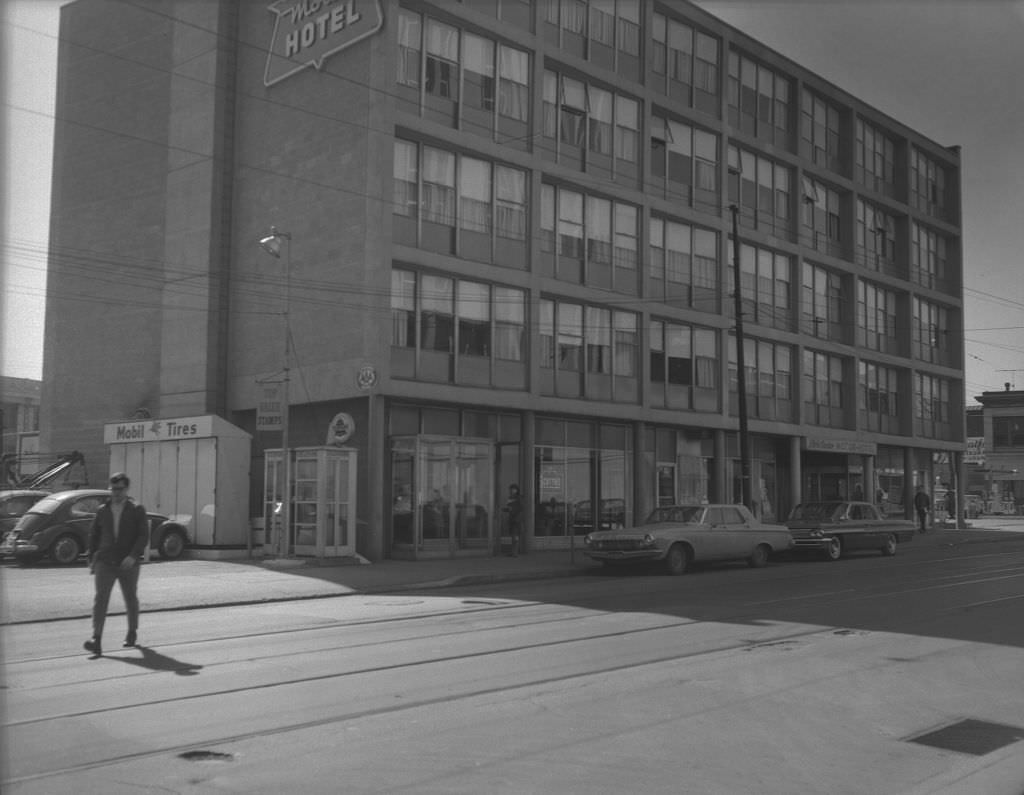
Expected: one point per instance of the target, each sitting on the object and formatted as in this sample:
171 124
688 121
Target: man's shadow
155 661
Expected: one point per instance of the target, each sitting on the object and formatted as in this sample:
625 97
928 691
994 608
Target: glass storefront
583 479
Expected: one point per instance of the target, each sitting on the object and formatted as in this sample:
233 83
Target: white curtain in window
514 95
442 41
478 54
475 194
509 323
438 186
510 193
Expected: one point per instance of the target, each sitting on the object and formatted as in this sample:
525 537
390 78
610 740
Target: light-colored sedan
680 535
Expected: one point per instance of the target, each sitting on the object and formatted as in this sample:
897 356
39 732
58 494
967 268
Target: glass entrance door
442 495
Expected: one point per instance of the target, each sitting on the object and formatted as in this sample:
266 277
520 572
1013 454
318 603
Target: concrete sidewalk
47 593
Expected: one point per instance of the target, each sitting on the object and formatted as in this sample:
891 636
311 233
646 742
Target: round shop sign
367 377
341 429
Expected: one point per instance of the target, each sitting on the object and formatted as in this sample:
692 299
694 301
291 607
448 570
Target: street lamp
741 367
272 245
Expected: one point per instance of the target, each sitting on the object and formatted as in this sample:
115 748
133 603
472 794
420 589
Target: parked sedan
837 527
14 503
680 535
57 527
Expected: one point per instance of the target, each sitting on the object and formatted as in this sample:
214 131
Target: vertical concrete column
721 487
869 478
528 489
641 475
796 477
377 449
908 483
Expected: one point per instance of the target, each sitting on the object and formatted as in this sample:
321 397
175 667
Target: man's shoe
129 640
93 645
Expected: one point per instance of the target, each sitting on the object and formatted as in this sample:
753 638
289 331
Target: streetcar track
383 710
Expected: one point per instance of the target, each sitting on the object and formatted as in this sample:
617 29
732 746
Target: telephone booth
323 502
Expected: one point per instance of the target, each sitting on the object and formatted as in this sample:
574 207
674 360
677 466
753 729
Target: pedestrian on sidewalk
514 517
117 541
923 503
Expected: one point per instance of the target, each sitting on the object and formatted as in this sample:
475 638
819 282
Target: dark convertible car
836 528
57 527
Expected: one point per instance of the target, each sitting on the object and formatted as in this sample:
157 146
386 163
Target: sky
949 69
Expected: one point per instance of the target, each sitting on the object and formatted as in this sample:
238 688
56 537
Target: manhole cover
206 756
969 736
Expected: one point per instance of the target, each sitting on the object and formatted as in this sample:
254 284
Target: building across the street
995 452
439 248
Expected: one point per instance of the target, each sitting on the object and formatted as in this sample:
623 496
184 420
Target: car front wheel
834 550
677 561
171 545
65 549
759 558
890 546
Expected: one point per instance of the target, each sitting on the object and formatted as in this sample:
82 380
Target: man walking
117 541
922 502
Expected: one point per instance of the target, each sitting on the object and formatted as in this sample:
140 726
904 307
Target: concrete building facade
509 257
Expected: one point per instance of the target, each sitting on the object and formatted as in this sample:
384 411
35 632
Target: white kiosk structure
193 469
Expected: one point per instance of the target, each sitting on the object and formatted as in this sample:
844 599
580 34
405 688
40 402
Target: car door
864 531
714 535
738 539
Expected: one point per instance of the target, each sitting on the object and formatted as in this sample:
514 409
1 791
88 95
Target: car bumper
813 544
624 556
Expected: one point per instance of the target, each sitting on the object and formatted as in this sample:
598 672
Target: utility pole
741 374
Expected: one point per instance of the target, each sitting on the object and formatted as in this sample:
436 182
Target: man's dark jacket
132 534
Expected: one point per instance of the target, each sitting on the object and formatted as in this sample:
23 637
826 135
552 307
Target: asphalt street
804 677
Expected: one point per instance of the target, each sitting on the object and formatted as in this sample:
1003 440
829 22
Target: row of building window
457 204
453 203
462 331
475 82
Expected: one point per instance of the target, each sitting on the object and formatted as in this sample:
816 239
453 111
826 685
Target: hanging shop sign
341 429
307 32
975 453
270 408
847 446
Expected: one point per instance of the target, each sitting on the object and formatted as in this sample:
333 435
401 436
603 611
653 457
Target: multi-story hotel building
507 256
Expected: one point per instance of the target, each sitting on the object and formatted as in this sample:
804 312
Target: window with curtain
570 224
546 332
475 195
705 76
510 200
599 231
438 186
573 112
656 251
679 354
437 331
705 344
600 120
677 253
625 236
656 352
680 51
602 22
705 262
409 33
628 27
627 344
478 71
473 305
547 219
442 76
570 337
406 179
403 309
513 83
680 155
598 327
627 129
706 161
549 122
509 323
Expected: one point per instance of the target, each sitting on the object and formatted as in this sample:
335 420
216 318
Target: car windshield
677 514
816 511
